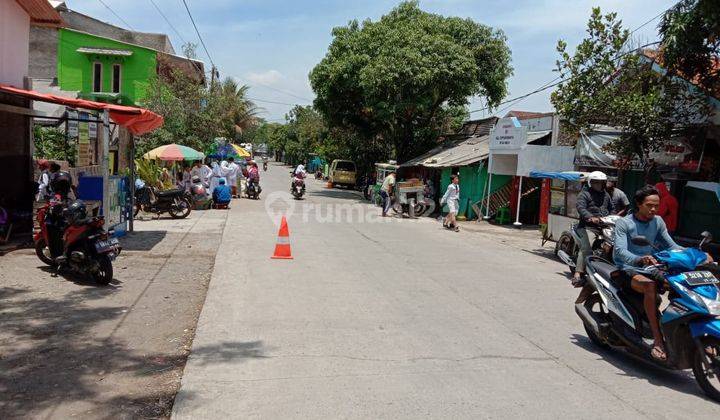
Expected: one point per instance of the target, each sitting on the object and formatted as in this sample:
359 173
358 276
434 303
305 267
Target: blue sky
272 45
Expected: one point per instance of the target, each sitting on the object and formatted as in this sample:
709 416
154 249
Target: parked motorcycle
83 245
298 188
176 202
613 314
253 190
602 246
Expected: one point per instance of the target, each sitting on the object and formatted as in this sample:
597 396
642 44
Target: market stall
561 213
109 191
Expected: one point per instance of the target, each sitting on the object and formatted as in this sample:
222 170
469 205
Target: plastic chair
503 216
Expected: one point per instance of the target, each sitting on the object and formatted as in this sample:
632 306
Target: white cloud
270 77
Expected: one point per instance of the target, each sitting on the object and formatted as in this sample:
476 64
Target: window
116 78
344 165
97 77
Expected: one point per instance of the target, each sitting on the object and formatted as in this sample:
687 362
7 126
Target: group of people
655 218
221 180
451 198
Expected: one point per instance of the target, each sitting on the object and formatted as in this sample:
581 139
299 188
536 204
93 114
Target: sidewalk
70 348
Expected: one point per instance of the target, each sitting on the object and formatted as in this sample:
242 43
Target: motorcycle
253 190
176 202
613 314
298 188
318 174
602 246
78 243
264 166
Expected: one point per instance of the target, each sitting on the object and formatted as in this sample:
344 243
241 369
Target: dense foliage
690 33
195 114
51 143
605 82
402 79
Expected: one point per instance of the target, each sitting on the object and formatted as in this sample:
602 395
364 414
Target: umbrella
174 152
240 151
224 151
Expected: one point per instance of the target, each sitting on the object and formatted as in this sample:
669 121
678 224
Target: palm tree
240 110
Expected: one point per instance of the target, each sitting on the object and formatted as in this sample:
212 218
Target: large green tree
690 33
606 82
400 79
195 113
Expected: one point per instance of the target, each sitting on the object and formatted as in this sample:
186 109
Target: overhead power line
273 102
277 90
168 21
556 81
198 33
116 15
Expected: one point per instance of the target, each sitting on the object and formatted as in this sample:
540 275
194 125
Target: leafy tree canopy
195 114
397 78
690 33
606 83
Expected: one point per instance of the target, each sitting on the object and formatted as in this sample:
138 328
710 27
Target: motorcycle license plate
698 278
106 245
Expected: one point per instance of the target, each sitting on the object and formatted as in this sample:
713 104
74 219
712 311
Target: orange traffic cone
282 248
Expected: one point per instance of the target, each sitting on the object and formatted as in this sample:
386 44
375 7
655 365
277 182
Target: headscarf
300 168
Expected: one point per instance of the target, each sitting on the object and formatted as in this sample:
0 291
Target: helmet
196 179
76 212
60 183
596 176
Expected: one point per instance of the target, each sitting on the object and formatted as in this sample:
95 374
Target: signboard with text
508 134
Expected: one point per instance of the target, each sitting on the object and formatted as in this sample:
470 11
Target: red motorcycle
68 238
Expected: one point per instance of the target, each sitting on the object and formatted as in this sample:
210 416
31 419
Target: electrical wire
198 34
168 22
273 102
556 81
116 15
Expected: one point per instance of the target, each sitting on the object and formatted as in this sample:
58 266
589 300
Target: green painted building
103 69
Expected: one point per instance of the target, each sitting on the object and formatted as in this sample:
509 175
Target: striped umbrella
240 151
174 152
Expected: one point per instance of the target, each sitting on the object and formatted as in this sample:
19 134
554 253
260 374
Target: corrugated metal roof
536 135
41 12
459 153
104 51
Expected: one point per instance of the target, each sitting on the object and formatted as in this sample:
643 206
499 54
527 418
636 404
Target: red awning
137 120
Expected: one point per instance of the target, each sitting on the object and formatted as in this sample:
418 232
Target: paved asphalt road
401 319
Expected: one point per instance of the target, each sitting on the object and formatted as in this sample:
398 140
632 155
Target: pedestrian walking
452 199
43 180
386 192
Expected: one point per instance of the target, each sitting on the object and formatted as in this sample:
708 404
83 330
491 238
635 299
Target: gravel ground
71 348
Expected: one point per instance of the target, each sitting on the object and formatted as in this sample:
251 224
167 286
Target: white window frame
112 78
95 63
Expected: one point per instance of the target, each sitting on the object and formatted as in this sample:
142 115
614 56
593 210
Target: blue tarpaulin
567 176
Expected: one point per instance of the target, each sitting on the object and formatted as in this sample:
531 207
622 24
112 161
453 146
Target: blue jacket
222 194
627 254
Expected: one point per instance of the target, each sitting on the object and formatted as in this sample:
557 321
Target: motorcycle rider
253 175
299 175
620 202
631 258
593 203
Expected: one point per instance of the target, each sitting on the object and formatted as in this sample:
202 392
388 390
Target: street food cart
381 171
408 194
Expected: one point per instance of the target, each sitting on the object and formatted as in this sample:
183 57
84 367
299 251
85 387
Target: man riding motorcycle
593 203
637 261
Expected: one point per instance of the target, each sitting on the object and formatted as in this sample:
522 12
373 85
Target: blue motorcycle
613 314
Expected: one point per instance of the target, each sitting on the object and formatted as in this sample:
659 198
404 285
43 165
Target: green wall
75 70
472 186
